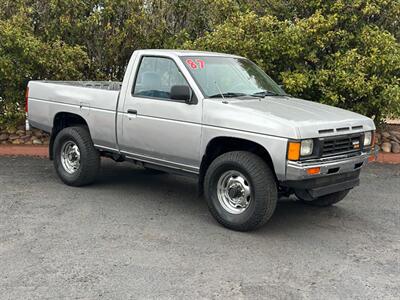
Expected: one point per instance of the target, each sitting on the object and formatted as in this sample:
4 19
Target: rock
4 137
394 139
12 130
386 147
395 134
28 132
3 142
20 132
45 142
395 147
21 127
13 137
37 133
25 138
16 142
385 134
36 142
28 143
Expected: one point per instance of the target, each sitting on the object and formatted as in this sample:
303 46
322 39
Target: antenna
219 90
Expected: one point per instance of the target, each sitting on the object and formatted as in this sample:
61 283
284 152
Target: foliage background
340 52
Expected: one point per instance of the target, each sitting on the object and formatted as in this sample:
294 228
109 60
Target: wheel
76 160
322 201
241 190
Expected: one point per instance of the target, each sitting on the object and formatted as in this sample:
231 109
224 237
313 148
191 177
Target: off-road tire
89 156
264 195
326 200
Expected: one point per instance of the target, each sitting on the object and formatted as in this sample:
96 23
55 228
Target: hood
284 117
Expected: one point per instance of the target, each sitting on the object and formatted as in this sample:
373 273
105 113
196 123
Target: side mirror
182 93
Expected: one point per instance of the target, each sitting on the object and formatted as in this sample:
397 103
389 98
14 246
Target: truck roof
184 52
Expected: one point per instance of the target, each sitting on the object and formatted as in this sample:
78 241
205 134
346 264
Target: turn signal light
293 151
313 171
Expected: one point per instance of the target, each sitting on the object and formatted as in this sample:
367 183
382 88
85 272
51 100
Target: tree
340 52
336 56
24 57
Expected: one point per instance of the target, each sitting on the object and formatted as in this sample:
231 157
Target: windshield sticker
201 63
196 64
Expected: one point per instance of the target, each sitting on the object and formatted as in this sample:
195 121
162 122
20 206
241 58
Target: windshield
231 77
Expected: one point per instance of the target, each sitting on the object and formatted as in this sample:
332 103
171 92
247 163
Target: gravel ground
137 235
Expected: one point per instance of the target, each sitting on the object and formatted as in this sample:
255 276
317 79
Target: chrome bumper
297 170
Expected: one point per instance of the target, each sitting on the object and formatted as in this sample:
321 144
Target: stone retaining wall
20 136
389 139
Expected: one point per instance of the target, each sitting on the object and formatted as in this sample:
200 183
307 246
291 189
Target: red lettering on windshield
201 63
191 64
198 63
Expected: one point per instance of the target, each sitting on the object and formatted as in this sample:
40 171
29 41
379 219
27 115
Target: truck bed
95 101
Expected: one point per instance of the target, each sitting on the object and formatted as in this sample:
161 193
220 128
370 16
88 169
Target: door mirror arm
193 98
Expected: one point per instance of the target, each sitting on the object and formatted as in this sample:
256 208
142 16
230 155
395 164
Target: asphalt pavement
135 235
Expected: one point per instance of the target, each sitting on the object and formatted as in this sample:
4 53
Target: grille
341 144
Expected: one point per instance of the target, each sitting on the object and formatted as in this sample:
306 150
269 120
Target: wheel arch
223 144
63 120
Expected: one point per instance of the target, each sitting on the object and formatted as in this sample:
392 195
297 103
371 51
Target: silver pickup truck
216 116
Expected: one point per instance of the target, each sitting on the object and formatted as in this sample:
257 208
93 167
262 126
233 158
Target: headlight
306 147
367 138
299 149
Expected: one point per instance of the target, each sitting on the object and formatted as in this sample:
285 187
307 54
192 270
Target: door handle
132 111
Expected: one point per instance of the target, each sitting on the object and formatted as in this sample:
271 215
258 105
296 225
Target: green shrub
336 58
340 52
24 57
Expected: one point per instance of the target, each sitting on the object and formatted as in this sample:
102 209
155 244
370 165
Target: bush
340 52
24 57
320 57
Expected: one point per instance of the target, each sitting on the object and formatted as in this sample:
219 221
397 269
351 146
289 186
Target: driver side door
156 128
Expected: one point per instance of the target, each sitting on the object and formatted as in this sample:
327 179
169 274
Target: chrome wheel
234 192
70 157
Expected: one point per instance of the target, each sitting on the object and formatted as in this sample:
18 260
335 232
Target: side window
156 76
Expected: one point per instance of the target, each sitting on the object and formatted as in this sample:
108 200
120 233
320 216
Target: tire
323 201
89 158
260 180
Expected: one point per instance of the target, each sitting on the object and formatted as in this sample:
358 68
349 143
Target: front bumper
325 185
336 173
297 170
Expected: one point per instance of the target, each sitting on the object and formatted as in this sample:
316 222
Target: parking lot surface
135 235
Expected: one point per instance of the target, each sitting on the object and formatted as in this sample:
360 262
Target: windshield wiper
228 95
265 93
